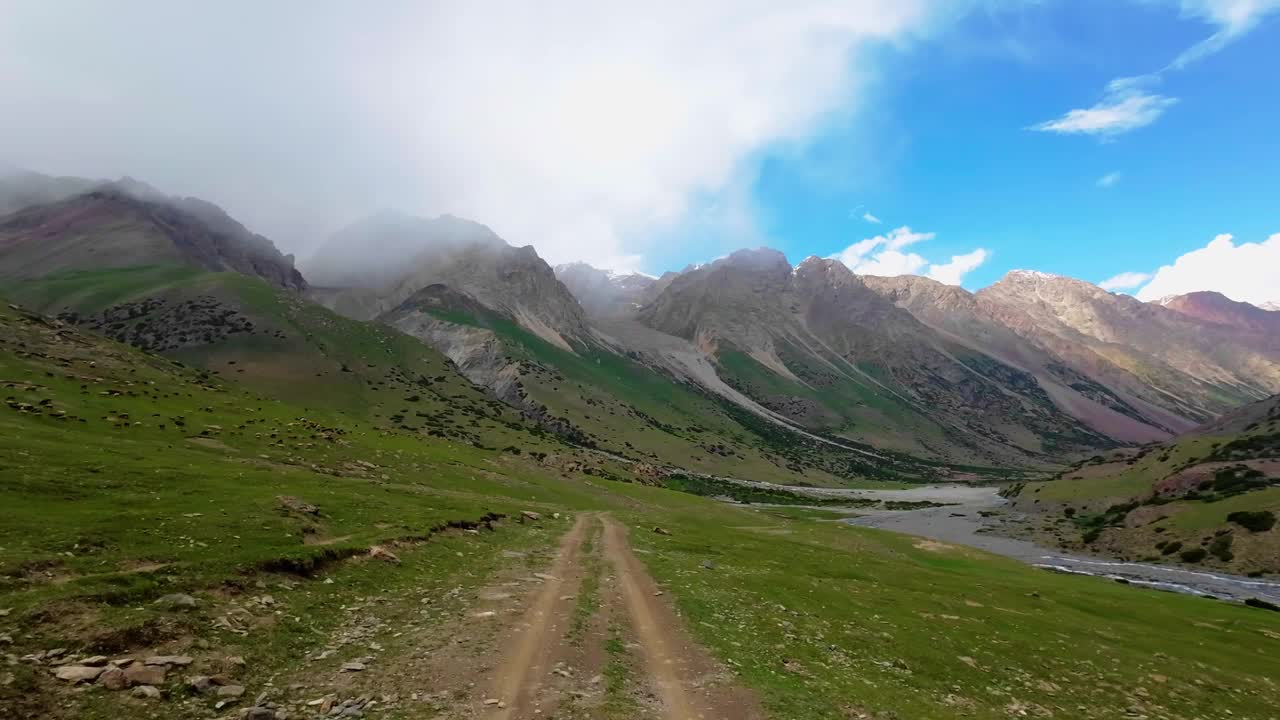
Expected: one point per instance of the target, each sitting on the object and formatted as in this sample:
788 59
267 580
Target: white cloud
581 127
882 255
1109 180
953 272
1126 106
1124 281
1234 18
1248 272
870 218
890 263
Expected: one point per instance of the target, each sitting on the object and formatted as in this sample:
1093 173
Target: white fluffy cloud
870 218
883 255
1247 272
1125 106
1124 281
581 127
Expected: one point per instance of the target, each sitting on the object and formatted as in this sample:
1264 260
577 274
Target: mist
588 130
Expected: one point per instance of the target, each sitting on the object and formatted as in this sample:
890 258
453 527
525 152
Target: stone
708 565
230 691
661 531
113 679
146 692
353 667
259 713
381 553
288 502
168 660
200 683
530 515
78 673
177 601
144 674
94 661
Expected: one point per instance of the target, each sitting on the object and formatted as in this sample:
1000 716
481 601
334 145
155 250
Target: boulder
144 674
78 673
146 692
168 660
113 679
530 515
230 691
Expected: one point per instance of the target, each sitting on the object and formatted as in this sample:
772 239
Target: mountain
816 345
126 224
1216 308
1270 306
607 295
1081 382
466 256
1193 369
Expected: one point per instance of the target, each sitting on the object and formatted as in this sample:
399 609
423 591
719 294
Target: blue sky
945 147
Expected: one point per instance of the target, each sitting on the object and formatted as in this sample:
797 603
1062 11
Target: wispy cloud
1234 18
884 255
1109 180
1125 107
870 218
1125 281
1127 104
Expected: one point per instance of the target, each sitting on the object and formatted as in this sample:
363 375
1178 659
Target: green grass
98 518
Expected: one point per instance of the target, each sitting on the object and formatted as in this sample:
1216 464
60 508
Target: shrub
1253 521
1221 547
1172 547
1091 535
1194 555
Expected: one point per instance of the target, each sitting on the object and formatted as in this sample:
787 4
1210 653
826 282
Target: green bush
1172 547
1194 555
1253 521
1221 547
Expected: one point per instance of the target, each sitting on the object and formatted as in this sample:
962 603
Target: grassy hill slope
128 478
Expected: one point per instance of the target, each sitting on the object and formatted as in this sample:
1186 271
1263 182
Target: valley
429 475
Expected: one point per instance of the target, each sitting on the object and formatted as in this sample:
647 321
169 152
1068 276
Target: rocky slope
1193 369
819 346
127 224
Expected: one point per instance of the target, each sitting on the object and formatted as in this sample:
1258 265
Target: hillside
1210 496
250 556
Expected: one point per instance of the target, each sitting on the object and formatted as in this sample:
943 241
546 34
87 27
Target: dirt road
599 640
